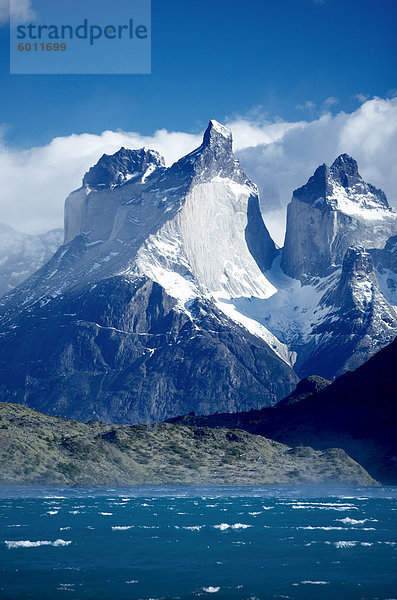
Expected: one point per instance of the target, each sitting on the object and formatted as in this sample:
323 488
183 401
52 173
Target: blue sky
217 58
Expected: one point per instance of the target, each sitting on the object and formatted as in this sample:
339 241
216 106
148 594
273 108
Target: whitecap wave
224 526
211 589
323 506
29 544
345 544
349 521
54 497
330 528
190 527
121 527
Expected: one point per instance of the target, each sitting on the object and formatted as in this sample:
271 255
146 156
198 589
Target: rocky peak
335 209
341 187
115 169
345 169
315 190
213 158
218 136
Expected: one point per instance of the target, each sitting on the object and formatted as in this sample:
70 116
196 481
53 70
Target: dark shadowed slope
357 413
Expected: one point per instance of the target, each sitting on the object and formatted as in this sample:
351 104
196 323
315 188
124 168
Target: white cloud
369 135
21 11
307 105
330 101
278 156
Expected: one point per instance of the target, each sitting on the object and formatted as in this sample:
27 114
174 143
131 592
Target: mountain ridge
169 294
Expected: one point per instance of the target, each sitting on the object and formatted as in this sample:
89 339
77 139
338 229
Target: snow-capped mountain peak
215 132
335 209
122 166
144 295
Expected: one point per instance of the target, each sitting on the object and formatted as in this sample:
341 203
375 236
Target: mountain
169 295
37 449
333 307
336 209
133 319
22 254
357 412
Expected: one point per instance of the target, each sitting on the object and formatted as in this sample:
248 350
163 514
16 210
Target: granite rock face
334 210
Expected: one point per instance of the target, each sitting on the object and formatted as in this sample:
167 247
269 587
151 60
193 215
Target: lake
183 543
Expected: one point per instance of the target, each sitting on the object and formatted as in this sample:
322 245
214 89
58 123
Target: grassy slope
37 449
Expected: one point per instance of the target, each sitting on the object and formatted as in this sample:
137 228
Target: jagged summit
341 187
345 165
217 133
123 165
335 209
214 157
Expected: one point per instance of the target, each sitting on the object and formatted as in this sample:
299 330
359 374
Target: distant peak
218 133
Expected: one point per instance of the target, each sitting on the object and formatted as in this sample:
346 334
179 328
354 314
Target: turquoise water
187 543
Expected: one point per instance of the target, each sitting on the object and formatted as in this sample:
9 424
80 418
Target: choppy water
187 543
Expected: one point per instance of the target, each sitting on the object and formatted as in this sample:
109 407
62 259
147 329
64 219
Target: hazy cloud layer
278 156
